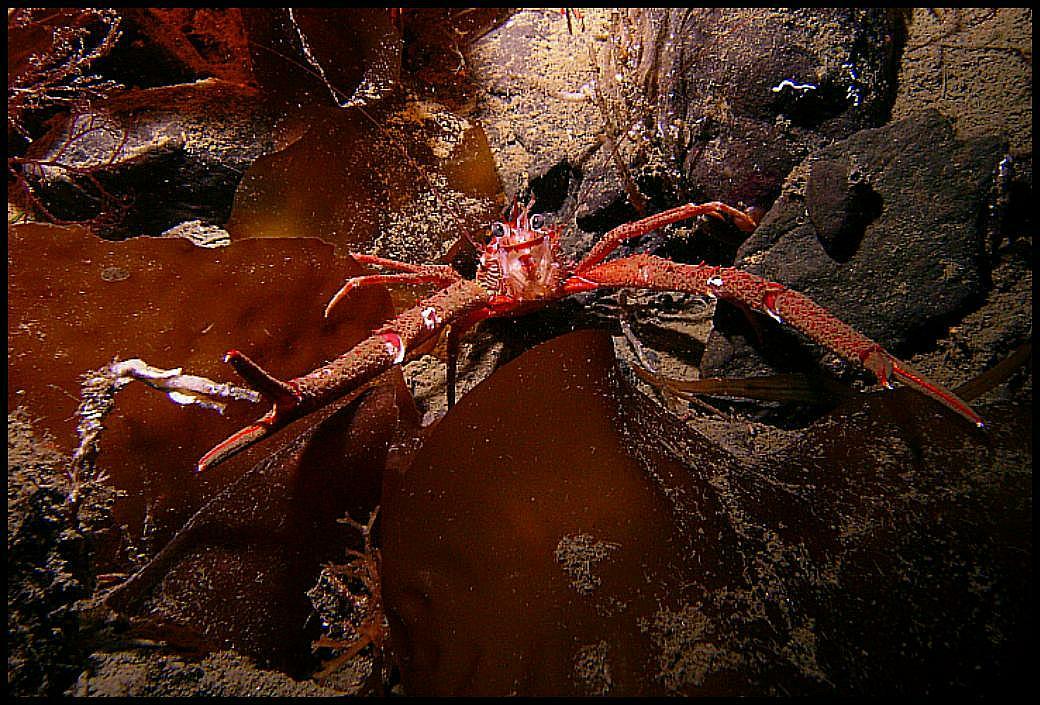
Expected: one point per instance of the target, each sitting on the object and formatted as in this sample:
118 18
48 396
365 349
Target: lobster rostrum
520 269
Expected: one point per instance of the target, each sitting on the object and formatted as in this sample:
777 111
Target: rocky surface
711 104
153 167
48 561
886 228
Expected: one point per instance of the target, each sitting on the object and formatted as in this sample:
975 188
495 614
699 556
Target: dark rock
724 102
601 211
840 204
912 270
551 185
139 166
746 163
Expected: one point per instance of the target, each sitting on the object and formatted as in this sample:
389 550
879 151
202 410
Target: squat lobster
520 269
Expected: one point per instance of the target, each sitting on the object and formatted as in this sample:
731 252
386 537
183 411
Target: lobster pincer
390 345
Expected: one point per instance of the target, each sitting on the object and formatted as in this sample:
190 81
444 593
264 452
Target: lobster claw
239 441
284 409
886 367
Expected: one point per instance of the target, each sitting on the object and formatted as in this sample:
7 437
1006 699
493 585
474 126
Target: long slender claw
884 367
362 258
413 276
368 280
743 220
238 442
912 378
284 401
339 295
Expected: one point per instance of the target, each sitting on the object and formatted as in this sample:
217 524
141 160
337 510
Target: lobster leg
457 330
399 266
390 345
441 274
613 239
369 279
783 304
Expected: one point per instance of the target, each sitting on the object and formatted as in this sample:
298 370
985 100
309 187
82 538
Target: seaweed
864 554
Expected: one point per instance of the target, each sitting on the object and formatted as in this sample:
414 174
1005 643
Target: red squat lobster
520 270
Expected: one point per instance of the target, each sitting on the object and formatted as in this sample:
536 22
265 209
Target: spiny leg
613 239
399 266
386 347
785 305
440 274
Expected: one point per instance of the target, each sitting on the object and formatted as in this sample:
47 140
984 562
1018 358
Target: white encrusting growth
787 83
180 388
430 318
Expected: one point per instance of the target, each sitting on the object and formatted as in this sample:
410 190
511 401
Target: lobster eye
537 221
498 230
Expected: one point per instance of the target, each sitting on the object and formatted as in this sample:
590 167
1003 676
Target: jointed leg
440 274
613 239
390 345
370 279
399 266
455 333
786 306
